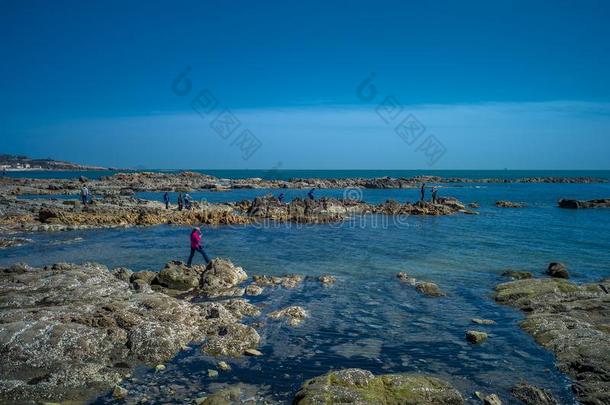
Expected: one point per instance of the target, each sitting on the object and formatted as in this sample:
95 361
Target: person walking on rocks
187 201
422 192
310 194
84 194
166 200
280 198
434 193
196 246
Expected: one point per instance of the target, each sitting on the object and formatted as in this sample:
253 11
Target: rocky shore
71 331
123 211
571 320
130 183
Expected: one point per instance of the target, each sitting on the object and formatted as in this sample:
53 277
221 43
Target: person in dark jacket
310 194
422 192
196 246
166 200
180 202
434 194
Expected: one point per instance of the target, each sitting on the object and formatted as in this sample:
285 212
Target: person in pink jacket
196 246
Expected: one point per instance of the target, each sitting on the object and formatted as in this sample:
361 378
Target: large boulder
357 386
177 276
221 277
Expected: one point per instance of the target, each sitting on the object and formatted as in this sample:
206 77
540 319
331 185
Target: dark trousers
200 250
166 205
83 198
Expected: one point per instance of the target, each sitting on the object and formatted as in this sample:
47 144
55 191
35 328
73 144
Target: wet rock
240 308
254 290
221 278
160 367
492 399
476 337
327 279
474 205
289 281
177 276
429 289
223 366
362 387
557 270
231 340
293 315
212 373
570 320
531 395
509 204
479 321
405 278
122 273
580 204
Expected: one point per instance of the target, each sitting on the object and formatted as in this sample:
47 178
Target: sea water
368 319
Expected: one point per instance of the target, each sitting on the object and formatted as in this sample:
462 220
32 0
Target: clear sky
490 84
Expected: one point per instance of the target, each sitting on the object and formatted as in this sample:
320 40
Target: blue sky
503 84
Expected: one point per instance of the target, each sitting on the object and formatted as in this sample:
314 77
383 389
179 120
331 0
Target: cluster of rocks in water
121 211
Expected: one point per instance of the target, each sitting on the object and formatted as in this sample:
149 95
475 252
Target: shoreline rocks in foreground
68 332
571 320
362 387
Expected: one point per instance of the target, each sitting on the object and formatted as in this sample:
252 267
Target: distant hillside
10 162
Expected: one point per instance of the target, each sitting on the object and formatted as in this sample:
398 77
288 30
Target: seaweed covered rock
429 289
572 321
177 276
362 387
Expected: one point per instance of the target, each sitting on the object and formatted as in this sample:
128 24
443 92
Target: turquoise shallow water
368 319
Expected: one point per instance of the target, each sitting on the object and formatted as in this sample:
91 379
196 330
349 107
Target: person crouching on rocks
196 246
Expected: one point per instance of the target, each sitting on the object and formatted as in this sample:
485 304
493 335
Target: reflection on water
368 319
